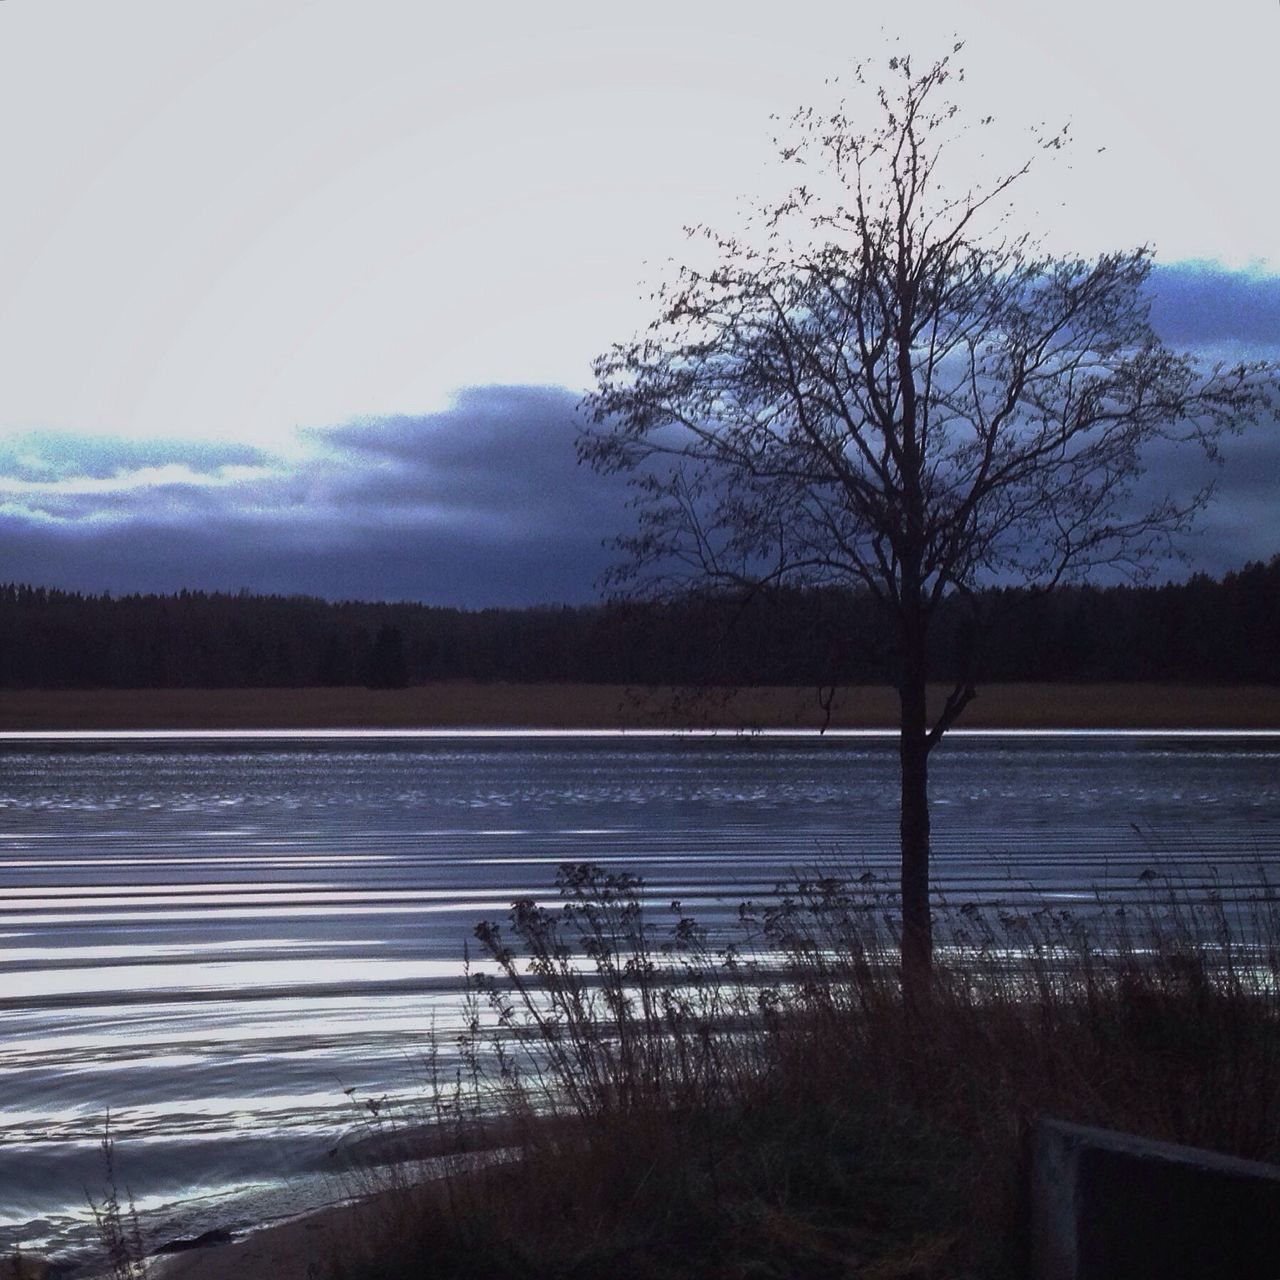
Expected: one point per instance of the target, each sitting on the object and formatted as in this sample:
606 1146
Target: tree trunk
913 750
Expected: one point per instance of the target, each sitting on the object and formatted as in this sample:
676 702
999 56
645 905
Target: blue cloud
1201 304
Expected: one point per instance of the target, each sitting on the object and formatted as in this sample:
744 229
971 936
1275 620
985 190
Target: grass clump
762 1103
116 1221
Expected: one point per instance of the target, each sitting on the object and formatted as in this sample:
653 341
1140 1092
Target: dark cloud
499 457
1242 519
440 567
482 503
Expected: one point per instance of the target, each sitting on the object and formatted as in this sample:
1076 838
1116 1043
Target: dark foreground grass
768 1106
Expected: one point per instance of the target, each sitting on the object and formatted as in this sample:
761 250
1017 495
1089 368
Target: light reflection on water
216 936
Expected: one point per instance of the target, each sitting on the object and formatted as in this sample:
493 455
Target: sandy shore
460 705
294 1250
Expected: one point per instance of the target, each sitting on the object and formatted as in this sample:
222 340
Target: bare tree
904 397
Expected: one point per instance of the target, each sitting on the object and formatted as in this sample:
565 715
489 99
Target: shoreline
464 707
290 1249
290 1246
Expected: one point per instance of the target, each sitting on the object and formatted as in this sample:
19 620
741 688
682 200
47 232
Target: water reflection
216 936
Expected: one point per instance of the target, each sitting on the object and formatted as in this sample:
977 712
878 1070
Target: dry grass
116 1222
767 1106
459 705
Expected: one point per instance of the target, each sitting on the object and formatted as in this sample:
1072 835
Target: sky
301 296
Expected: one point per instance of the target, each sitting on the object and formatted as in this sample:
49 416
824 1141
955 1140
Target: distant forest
1201 631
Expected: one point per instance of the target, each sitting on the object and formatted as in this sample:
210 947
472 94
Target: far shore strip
459 705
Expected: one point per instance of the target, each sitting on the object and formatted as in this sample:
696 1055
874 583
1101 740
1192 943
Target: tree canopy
881 384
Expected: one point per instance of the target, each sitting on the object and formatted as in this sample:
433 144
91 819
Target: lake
215 936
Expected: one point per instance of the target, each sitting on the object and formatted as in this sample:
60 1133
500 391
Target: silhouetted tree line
1202 630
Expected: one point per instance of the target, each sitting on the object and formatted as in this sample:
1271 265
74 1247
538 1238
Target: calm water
216 939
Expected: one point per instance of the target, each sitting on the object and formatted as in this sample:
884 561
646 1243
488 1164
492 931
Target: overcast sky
300 296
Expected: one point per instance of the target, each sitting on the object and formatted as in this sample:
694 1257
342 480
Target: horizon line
20 736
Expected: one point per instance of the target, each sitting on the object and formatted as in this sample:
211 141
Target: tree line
1199 631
